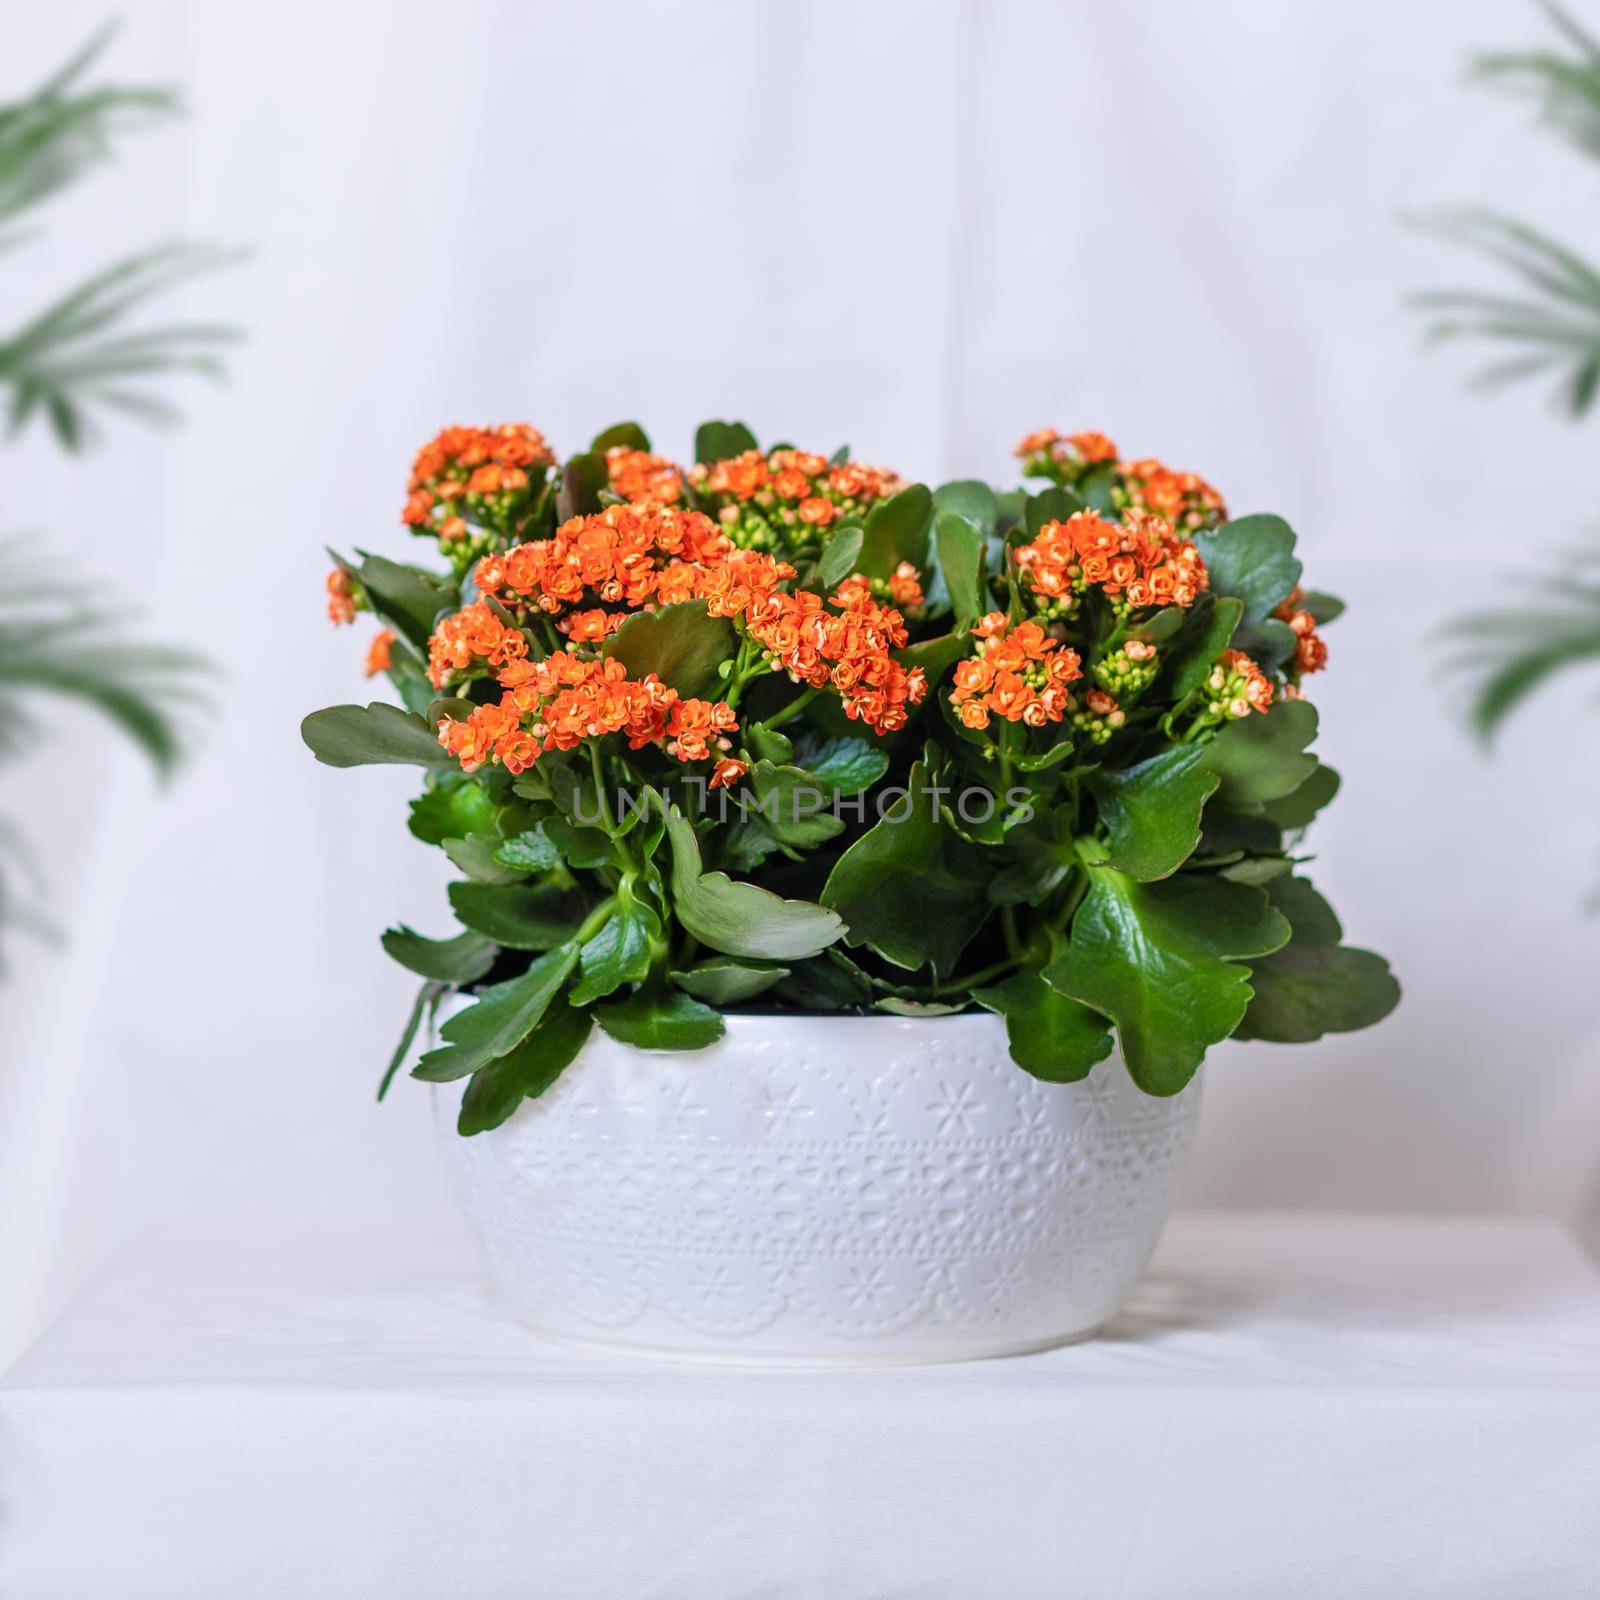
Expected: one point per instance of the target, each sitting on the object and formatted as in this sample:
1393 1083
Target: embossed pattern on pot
823 1190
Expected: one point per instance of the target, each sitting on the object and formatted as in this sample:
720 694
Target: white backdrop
922 228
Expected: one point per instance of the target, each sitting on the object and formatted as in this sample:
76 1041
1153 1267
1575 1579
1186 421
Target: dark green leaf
898 530
499 1020
909 887
530 851
740 919
619 953
1270 644
453 806
1052 1037
682 644
661 1019
1035 859
463 959
478 855
408 598
1324 608
1260 757
629 434
518 916
969 498
719 441
770 744
1162 961
584 848
582 480
961 560
1315 985
427 996
1049 505
935 656
1253 559
847 765
525 1072
1297 808
1153 810
839 558
793 806
722 981
374 735
1191 659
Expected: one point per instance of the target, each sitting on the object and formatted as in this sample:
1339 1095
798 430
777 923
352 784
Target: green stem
793 709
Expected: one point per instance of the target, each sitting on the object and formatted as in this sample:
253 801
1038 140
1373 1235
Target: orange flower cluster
341 598
1138 562
640 477
477 470
378 653
1238 686
903 587
1311 650
470 640
789 488
615 557
556 703
1184 498
1018 673
1086 449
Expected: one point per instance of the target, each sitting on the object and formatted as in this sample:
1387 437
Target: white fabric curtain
919 228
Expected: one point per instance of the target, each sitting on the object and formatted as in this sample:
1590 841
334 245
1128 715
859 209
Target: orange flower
469 642
776 500
378 652
905 587
558 702
1017 672
1140 561
638 476
1183 498
1238 686
728 772
1092 447
341 598
1037 442
1311 650
483 472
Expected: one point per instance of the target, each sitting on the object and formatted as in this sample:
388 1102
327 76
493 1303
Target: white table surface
1293 1406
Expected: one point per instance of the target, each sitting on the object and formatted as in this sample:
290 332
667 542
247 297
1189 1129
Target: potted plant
853 875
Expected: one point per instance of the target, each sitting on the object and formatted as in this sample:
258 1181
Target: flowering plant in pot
820 834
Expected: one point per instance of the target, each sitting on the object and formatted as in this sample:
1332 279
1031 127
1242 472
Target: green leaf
898 1006
1049 505
1270 644
898 530
463 959
584 848
909 887
408 598
770 744
500 1019
792 805
517 916
847 765
840 557
935 656
961 549
582 480
427 995
722 981
718 441
533 850
1300 806
453 806
1162 961
375 735
661 1020
619 953
1315 985
1035 859
1252 559
525 1072
629 434
1324 608
1152 810
1052 1037
1191 659
1260 757
478 855
740 919
682 644
971 499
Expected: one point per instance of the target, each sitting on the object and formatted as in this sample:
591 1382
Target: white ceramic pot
823 1191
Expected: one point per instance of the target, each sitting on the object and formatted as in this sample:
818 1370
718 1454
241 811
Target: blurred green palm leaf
79 355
